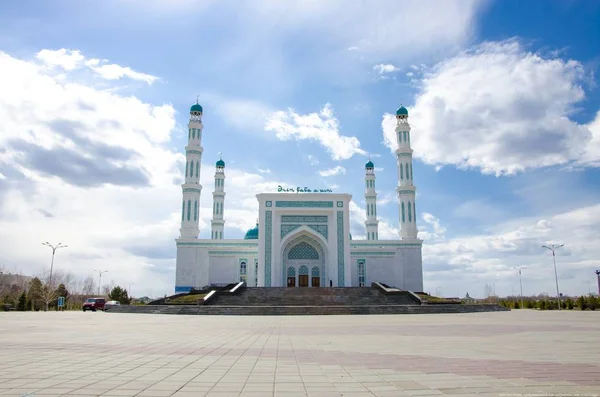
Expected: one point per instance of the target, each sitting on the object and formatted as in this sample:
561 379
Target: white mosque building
302 238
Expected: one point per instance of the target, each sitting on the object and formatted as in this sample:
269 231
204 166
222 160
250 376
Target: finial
220 156
257 221
197 98
369 157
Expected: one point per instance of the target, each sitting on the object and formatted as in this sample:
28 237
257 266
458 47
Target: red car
94 304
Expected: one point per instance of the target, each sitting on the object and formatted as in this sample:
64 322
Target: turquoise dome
220 163
196 108
252 234
401 111
370 164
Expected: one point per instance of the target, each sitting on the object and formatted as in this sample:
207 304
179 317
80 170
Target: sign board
299 189
61 301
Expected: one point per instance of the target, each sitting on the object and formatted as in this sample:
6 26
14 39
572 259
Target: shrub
581 303
569 303
542 304
516 305
592 302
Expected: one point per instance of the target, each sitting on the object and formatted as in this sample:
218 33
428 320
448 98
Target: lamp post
553 248
54 248
598 276
100 278
129 290
520 269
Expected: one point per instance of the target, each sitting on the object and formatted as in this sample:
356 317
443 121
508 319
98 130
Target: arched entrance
303 261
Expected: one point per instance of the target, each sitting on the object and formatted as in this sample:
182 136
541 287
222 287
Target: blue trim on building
182 288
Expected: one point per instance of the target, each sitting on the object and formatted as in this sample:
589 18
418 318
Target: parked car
110 304
94 304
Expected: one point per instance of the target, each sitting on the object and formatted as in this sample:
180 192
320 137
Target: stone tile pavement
518 353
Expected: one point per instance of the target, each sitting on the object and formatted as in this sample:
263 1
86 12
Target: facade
302 238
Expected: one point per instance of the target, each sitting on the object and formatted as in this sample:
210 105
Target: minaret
190 215
371 224
217 222
406 189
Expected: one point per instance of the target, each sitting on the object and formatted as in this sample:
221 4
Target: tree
34 294
61 291
22 304
89 286
119 294
592 302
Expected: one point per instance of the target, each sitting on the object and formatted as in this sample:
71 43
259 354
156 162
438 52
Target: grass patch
186 300
436 299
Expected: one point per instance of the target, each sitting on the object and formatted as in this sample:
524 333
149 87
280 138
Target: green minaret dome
196 108
220 163
401 111
370 164
252 234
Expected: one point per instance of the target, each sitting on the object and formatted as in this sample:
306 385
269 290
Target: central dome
252 234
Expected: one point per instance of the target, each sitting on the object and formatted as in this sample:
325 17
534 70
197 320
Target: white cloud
358 217
70 60
264 171
501 108
322 127
337 170
66 59
312 160
467 263
384 68
438 230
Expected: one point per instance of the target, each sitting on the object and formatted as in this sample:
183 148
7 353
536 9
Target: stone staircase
349 296
306 310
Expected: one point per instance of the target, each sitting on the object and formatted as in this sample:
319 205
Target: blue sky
503 102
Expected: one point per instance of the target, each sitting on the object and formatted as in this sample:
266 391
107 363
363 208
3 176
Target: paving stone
403 355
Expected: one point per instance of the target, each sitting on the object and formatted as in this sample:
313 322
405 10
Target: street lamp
520 269
129 290
100 278
553 248
598 275
54 248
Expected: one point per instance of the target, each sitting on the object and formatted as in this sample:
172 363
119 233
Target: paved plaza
514 353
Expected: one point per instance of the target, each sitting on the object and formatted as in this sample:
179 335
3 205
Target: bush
22 303
516 305
592 302
569 303
542 304
581 303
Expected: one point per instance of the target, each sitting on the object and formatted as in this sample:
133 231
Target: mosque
302 238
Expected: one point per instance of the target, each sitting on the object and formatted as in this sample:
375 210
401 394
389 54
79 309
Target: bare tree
89 286
108 287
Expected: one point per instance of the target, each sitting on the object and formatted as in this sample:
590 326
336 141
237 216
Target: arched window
401 171
243 270
183 211
195 209
189 133
193 133
192 168
406 170
402 206
362 274
409 212
256 273
408 133
399 137
414 212
187 165
411 174
189 212
404 136
197 169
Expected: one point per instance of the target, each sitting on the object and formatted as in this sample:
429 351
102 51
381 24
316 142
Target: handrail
237 286
207 297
